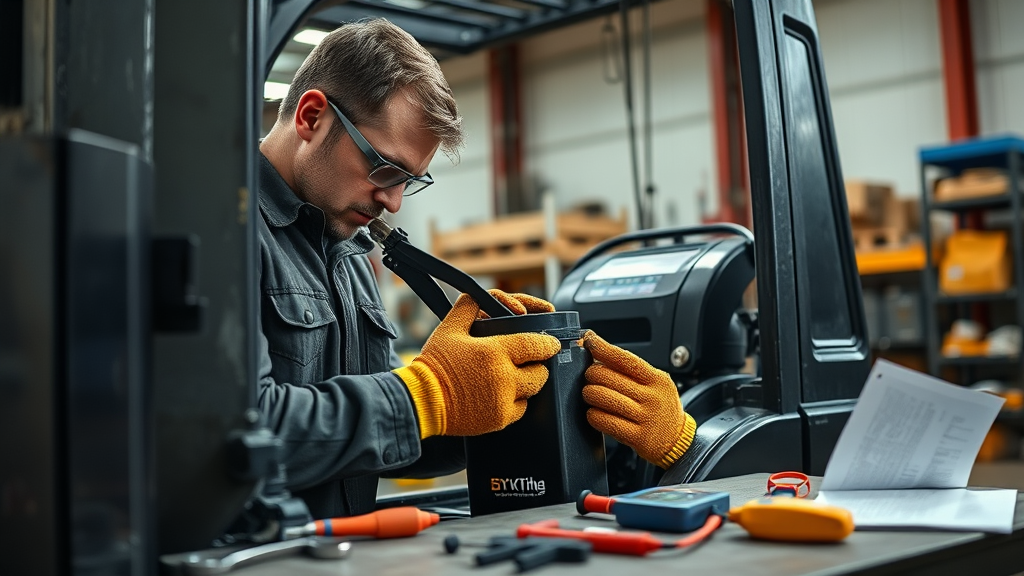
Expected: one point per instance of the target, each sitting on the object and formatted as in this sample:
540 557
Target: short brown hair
361 65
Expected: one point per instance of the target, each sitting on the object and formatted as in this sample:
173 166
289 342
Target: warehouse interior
133 315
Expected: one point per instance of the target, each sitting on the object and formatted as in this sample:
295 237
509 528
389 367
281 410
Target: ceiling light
310 36
275 90
411 4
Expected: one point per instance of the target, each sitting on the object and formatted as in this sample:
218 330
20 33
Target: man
362 120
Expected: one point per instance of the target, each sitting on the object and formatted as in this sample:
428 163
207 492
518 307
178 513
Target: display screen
672 495
644 265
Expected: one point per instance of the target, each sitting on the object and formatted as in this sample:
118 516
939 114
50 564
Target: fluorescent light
411 4
310 36
275 90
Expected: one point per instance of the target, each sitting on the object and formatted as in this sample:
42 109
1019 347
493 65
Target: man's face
333 177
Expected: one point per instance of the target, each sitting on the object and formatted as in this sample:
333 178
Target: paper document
906 453
949 508
910 430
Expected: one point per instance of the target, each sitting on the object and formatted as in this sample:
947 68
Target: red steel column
506 132
961 97
958 68
727 116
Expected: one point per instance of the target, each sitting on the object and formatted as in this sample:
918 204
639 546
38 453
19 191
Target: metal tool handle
419 270
318 547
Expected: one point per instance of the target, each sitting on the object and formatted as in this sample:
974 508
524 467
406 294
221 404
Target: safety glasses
383 173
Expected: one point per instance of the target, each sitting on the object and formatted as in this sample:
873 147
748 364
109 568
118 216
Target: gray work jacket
325 386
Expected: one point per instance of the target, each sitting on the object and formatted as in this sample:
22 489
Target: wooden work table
729 552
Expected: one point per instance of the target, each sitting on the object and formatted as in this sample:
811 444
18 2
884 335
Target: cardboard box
912 214
871 204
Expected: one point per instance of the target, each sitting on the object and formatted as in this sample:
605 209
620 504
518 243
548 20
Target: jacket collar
279 203
281 207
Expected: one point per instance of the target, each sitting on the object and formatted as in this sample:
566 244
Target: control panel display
633 276
642 266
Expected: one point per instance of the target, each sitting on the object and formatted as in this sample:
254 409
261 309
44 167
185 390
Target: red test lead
631 543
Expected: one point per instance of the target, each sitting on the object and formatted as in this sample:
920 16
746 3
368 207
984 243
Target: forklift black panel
657 300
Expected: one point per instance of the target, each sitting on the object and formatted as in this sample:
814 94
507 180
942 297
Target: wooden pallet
882 238
522 242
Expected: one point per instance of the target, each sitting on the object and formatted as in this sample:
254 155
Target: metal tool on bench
549 454
211 562
527 553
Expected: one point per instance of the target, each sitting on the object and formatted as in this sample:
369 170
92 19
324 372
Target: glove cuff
682 444
425 389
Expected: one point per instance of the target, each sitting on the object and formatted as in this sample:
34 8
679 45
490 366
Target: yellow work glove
463 386
520 304
635 403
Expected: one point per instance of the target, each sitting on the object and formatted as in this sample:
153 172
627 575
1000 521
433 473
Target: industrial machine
675 301
127 427
676 305
812 336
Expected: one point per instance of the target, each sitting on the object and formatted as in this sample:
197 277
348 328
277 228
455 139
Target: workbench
730 551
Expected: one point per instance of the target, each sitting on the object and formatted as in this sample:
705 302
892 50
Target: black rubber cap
580 508
451 543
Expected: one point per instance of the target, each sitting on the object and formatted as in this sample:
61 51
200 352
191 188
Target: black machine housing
677 306
551 454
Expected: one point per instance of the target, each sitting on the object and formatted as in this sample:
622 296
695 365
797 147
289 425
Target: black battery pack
552 453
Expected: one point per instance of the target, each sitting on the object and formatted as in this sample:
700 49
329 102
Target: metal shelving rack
949 160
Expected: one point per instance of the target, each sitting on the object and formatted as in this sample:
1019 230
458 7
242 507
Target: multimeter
663 509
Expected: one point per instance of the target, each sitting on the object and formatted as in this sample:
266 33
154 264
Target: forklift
128 304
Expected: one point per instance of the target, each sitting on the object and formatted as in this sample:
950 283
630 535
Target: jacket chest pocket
298 325
378 332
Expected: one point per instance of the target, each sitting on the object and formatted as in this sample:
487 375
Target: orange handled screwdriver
387 523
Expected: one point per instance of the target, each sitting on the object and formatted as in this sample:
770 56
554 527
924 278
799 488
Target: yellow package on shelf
975 262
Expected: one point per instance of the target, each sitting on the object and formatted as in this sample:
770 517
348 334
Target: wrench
316 546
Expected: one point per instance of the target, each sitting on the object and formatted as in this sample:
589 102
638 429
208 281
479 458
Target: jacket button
309 317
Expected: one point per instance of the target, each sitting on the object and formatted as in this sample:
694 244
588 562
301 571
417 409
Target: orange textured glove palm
635 403
463 386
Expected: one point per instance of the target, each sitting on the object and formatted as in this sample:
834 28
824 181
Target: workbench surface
730 551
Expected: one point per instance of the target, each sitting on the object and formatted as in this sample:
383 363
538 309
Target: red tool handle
632 543
387 523
590 502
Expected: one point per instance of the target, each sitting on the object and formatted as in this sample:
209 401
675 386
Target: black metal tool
419 270
527 553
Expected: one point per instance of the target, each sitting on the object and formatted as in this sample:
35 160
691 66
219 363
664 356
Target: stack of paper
904 457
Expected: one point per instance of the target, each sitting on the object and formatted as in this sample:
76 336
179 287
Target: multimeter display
670 494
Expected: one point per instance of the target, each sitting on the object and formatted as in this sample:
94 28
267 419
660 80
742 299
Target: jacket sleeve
442 455
342 427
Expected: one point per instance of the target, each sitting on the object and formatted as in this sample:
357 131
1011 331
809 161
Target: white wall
461 194
575 136
883 65
884 69
999 60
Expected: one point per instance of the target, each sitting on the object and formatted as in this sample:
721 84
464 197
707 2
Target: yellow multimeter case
793 520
